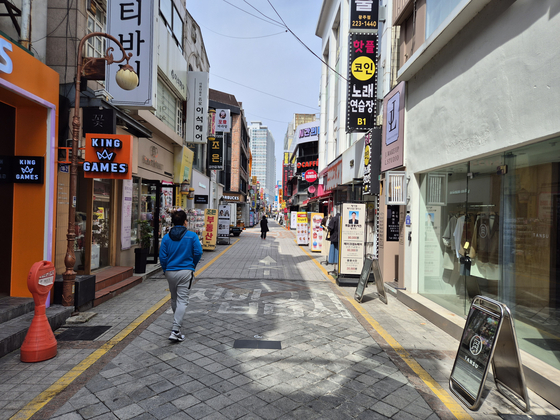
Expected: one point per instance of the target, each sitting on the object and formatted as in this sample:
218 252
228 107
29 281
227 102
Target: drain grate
82 333
257 344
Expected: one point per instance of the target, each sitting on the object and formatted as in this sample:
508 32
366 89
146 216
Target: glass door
149 204
101 227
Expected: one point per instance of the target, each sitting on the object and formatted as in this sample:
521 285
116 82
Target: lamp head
127 78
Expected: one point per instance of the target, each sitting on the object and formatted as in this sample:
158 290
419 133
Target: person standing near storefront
264 227
179 254
333 227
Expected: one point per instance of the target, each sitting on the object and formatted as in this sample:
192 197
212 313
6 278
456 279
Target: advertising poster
352 238
223 221
316 240
210 229
293 220
126 213
301 228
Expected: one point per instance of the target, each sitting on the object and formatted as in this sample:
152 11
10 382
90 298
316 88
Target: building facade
264 160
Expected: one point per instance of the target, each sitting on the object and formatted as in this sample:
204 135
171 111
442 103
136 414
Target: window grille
395 193
437 190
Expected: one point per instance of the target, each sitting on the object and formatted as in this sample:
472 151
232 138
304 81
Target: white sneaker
176 336
169 311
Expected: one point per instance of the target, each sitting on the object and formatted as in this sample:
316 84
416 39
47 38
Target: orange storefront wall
32 89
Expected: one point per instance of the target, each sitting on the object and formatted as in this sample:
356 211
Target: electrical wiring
244 37
265 93
268 17
57 26
268 21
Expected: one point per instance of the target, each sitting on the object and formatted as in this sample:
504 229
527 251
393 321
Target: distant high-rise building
264 162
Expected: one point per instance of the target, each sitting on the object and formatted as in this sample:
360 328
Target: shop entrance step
111 276
115 289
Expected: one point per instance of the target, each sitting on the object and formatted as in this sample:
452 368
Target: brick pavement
332 364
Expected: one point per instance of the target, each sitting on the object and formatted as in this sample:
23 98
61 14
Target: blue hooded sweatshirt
180 250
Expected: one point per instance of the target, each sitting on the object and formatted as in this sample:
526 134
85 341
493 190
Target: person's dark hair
353 212
179 218
264 217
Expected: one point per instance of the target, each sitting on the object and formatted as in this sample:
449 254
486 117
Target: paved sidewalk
332 365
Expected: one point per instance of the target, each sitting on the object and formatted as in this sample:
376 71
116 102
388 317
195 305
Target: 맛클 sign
108 156
362 83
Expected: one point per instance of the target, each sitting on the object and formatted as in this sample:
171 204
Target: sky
248 54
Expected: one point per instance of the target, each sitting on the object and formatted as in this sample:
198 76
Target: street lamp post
127 79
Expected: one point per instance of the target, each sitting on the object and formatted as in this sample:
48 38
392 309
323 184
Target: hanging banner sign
352 238
362 83
216 152
392 147
210 230
302 228
126 214
197 107
223 221
223 120
364 15
108 156
293 220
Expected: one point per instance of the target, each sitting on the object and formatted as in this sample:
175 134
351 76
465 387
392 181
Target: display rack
195 221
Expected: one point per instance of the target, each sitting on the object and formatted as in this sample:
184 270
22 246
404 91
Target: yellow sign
254 182
363 68
210 229
302 217
183 166
286 158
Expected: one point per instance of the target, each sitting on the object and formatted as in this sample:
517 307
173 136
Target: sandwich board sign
488 339
370 266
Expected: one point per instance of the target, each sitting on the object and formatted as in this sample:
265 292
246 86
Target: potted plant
145 235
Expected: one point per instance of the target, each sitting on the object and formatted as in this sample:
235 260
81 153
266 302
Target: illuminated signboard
108 156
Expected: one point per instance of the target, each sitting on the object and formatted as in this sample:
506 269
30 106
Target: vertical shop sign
216 155
302 228
210 229
133 24
392 145
183 163
126 213
293 220
316 239
362 83
197 107
223 120
367 163
223 221
364 15
352 238
393 221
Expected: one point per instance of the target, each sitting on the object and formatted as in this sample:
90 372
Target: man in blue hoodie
179 253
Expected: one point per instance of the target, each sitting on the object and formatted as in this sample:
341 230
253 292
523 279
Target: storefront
240 208
28 117
491 226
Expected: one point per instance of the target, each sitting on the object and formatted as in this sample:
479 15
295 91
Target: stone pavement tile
69 416
200 411
93 410
234 411
164 411
384 409
129 412
185 402
215 416
219 402
253 402
223 386
105 416
205 394
114 398
269 412
371 415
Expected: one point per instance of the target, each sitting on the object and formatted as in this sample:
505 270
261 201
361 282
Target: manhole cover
82 333
257 344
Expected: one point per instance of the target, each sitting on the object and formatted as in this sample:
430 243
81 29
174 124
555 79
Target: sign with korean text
108 156
210 229
183 163
334 174
307 132
372 151
362 83
223 221
22 169
197 107
352 238
393 223
392 145
126 214
302 228
133 24
216 152
364 15
223 120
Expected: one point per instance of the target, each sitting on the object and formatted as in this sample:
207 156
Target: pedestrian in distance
179 254
264 227
333 227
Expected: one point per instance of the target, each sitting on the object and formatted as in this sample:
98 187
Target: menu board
475 351
301 228
393 219
316 240
352 238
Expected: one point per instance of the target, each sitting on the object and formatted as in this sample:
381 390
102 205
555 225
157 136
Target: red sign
311 189
108 156
310 175
308 164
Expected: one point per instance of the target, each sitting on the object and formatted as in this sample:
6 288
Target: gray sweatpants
179 284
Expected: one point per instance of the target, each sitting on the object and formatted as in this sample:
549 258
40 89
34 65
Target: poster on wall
223 221
393 223
302 228
352 238
210 229
293 220
316 240
126 214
